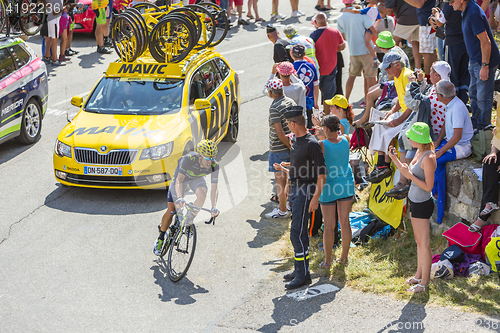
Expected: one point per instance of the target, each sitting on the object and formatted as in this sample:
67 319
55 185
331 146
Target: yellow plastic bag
492 252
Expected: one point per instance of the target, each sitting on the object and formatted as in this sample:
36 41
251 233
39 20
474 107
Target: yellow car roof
147 66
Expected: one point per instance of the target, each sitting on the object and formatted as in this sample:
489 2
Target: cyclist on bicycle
190 171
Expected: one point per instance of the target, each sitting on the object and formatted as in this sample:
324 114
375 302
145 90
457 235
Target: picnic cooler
469 242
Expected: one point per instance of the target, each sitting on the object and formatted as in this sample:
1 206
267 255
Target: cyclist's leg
166 220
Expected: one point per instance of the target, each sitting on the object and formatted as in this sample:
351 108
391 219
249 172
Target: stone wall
464 192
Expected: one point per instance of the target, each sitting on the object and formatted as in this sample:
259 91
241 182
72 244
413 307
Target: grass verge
383 266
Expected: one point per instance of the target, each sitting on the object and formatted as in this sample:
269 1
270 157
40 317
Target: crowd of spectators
434 109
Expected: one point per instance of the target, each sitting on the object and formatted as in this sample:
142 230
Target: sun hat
285 68
294 111
443 69
347 1
385 40
290 30
275 84
419 133
338 100
389 57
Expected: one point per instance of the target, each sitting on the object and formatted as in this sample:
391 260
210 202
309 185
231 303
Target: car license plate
103 171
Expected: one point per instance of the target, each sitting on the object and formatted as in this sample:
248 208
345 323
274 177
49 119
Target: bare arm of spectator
485 5
416 3
440 137
374 31
485 54
316 95
341 46
281 134
398 121
394 109
457 135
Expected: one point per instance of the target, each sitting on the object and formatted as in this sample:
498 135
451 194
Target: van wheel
233 125
31 123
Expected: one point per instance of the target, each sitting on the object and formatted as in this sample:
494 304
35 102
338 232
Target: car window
146 96
196 88
211 77
19 55
6 64
223 67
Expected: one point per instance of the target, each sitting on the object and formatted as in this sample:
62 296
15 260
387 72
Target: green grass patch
383 266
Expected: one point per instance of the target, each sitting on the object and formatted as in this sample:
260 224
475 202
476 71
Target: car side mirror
77 101
201 104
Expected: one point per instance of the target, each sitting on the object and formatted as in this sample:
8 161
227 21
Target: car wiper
92 111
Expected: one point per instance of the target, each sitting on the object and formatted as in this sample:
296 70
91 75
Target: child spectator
340 107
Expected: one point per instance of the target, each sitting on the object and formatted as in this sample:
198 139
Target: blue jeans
224 4
440 48
481 95
440 179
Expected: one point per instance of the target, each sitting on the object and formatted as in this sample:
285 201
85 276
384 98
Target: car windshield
147 96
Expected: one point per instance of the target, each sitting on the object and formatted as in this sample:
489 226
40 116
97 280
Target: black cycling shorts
422 210
193 185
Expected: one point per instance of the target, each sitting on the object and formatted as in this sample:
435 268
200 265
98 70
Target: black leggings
491 177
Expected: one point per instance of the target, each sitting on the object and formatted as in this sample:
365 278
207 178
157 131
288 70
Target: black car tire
31 123
233 125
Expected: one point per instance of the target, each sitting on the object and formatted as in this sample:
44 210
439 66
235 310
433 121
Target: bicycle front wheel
181 252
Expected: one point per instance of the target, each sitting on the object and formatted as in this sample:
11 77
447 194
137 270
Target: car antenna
67 106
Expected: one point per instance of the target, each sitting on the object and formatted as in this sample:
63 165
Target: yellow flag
386 208
492 251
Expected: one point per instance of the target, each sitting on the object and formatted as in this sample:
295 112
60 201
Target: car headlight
157 152
82 9
62 149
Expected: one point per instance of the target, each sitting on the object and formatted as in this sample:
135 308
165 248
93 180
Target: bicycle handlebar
212 219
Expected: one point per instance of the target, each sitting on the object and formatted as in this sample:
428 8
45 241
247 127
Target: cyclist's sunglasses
208 158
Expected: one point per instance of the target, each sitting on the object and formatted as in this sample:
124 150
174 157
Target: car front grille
114 157
113 181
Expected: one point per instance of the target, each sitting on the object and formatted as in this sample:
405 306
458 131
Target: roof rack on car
167 33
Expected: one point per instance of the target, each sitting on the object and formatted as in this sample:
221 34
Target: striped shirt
277 115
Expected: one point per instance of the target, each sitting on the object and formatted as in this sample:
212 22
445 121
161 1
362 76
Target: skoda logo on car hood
103 149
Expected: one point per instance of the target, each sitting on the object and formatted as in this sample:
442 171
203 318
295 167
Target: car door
202 117
212 81
224 72
11 95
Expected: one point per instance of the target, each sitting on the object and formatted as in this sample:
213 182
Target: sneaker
64 58
158 245
46 60
400 190
301 13
242 22
288 208
57 63
276 214
103 50
379 174
68 53
295 13
108 43
278 16
73 51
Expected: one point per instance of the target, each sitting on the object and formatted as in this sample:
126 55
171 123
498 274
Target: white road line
244 48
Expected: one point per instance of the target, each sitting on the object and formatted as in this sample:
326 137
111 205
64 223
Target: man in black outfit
280 52
307 175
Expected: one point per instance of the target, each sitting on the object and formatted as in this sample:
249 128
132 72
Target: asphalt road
81 259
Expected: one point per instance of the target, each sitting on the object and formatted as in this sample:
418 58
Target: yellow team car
141 117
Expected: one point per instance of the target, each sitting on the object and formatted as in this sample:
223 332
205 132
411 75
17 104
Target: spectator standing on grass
327 42
427 38
279 144
307 176
491 177
455 52
421 173
453 142
280 52
353 27
407 25
484 59
54 9
338 191
100 8
307 73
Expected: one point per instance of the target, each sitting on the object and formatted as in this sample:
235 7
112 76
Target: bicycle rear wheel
181 252
31 20
125 39
172 39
